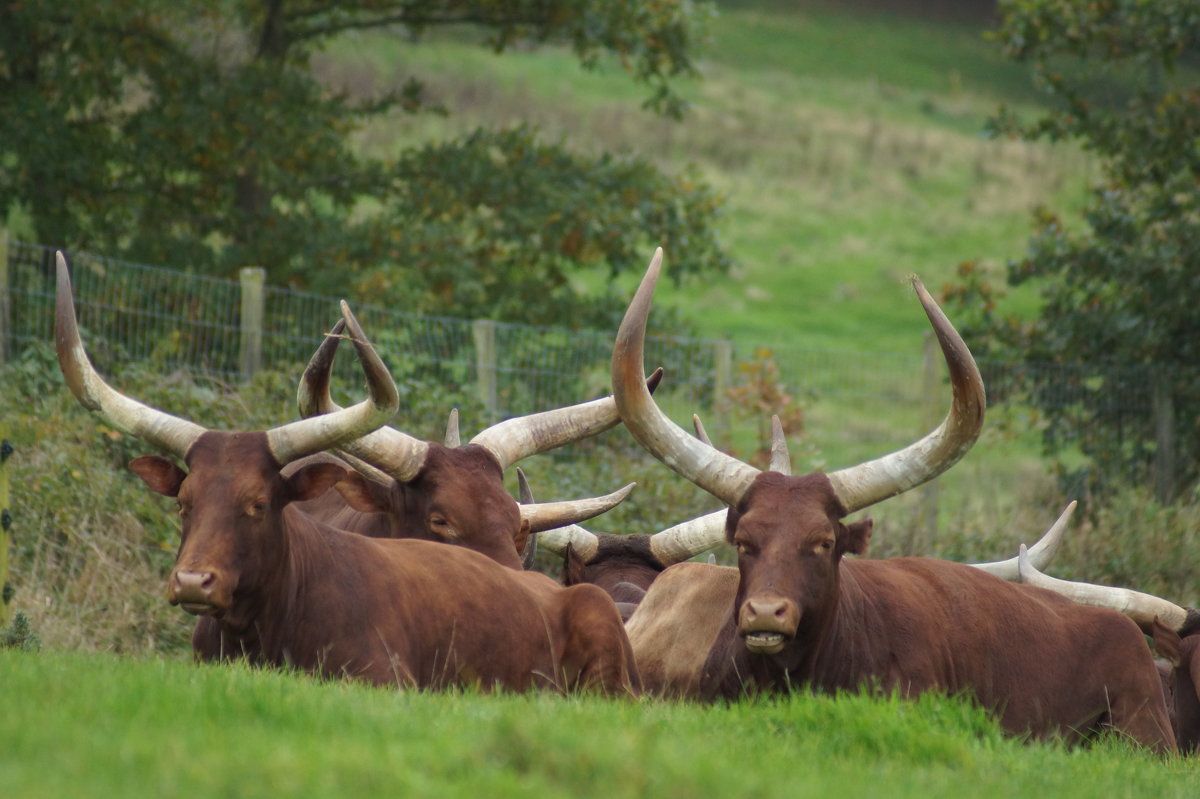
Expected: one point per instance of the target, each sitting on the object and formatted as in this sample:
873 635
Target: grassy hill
848 145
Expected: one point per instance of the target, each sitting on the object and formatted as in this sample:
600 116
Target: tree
196 135
1119 291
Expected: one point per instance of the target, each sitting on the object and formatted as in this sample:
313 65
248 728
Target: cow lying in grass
284 589
805 616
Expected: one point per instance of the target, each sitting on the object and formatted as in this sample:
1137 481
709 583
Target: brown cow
455 492
1174 628
284 589
804 615
678 622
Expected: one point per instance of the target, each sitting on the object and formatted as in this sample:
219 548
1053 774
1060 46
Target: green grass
75 725
848 145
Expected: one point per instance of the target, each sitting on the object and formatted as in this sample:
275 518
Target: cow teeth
764 643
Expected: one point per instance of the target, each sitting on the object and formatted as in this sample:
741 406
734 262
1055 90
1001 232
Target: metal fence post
5 526
250 360
484 333
5 302
722 377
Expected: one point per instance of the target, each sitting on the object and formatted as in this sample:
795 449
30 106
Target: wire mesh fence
856 405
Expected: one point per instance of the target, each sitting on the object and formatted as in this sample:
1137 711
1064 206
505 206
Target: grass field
75 725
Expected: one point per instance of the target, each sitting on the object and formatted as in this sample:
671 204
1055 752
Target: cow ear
163 476
312 481
856 537
521 539
1167 643
572 566
361 493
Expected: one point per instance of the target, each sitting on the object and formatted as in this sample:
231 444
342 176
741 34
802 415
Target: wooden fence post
1164 436
6 451
250 359
484 333
722 377
5 302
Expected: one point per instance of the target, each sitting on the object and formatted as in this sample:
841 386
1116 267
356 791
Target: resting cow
453 492
1174 628
281 588
804 615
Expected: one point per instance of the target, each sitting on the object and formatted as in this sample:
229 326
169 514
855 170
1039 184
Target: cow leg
596 654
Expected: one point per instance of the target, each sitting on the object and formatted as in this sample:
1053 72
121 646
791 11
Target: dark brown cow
281 588
455 492
1174 628
804 615
683 613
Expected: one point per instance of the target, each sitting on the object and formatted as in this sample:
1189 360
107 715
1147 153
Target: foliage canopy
1120 289
197 135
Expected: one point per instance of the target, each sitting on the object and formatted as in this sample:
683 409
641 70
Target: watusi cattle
675 627
280 588
454 492
804 615
1175 630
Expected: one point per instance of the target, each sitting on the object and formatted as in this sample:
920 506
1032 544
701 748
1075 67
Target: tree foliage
1118 291
196 135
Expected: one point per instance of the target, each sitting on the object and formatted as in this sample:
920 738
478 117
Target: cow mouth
764 643
200 609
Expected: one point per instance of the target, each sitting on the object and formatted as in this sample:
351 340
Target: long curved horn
171 433
545 516
297 439
1142 608
583 543
723 476
690 538
516 439
1040 554
397 453
867 483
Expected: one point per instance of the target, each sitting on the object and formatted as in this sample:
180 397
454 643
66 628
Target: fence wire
858 404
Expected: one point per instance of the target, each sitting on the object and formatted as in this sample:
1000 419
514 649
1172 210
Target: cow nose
770 614
189 587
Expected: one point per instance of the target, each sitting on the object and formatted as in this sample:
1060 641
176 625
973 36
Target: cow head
455 492
788 530
790 540
231 500
232 495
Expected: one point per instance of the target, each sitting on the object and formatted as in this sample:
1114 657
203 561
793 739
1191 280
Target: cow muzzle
767 623
197 592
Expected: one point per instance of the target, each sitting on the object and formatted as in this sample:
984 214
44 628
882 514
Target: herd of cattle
342 546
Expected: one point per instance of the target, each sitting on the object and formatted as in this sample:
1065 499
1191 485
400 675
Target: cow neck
283 600
848 651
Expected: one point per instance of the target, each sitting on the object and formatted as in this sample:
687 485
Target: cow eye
438 522
256 508
825 546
